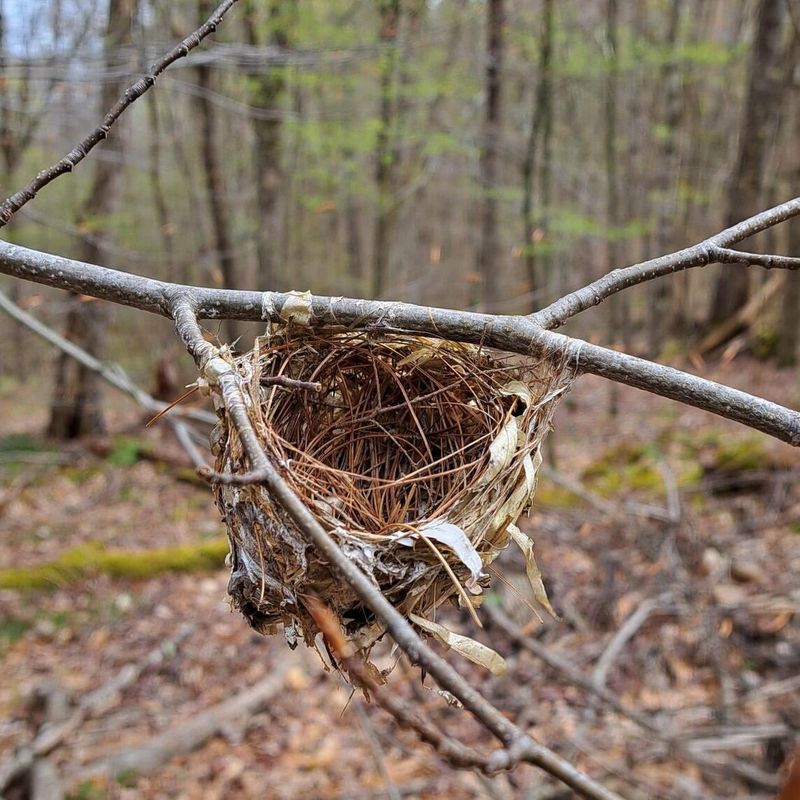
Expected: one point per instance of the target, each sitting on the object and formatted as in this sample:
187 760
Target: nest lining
418 455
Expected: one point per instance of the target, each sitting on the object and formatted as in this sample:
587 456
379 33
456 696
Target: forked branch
714 250
518 747
525 335
516 334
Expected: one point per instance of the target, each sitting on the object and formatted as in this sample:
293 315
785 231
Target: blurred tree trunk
488 265
616 313
540 128
384 151
789 327
20 120
355 261
165 227
214 180
76 408
266 93
662 318
761 110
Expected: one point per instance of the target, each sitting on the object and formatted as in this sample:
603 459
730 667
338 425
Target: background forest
475 154
467 154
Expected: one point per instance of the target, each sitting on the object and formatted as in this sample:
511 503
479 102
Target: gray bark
384 151
76 408
761 109
489 262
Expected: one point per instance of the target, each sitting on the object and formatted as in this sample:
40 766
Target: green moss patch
82 562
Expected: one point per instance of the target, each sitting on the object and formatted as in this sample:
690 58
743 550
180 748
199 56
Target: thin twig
678 742
374 745
566 670
16 201
290 383
726 256
626 632
714 249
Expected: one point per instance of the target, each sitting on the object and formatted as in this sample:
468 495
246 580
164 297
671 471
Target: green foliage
12 629
554 496
582 58
565 222
79 563
21 443
634 467
126 778
88 790
126 451
739 456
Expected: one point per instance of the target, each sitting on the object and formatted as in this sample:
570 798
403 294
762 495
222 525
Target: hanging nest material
417 455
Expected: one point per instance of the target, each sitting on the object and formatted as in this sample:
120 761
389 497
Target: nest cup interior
397 431
390 433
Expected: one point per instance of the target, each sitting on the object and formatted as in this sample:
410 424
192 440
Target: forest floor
677 572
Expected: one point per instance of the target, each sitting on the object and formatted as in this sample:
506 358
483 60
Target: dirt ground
677 573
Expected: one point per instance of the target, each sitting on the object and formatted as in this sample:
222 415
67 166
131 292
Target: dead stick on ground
661 731
566 670
53 735
187 736
621 638
375 748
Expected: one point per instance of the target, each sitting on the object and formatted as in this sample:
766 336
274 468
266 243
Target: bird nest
417 455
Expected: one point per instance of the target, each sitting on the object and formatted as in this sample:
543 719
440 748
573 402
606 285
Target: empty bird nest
417 455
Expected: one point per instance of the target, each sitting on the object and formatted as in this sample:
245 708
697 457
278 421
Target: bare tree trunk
385 153
76 409
266 94
789 329
666 207
616 316
159 201
488 264
761 110
355 262
215 183
541 127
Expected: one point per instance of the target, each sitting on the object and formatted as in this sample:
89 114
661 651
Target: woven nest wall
416 454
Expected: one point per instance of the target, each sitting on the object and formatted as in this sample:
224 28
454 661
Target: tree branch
518 746
514 334
726 256
712 250
113 374
16 201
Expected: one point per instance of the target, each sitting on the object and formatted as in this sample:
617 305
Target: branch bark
515 334
709 251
